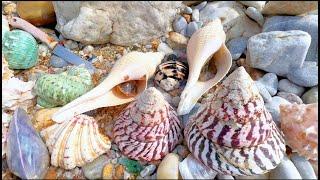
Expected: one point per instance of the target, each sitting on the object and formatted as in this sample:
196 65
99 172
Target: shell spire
148 128
233 133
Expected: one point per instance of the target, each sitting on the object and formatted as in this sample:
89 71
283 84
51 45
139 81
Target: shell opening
129 89
209 70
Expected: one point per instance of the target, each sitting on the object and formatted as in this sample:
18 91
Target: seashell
148 128
6 72
17 93
42 118
20 49
206 46
27 155
59 89
5 26
135 67
75 142
171 75
233 133
299 123
168 168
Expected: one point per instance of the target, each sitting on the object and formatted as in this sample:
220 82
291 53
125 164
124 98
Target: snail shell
75 142
59 89
233 133
148 128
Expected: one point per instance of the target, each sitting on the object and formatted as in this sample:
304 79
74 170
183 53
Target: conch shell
207 45
75 142
233 133
148 128
299 123
135 66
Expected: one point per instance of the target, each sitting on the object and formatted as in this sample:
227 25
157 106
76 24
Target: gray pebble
192 28
72 45
263 92
94 169
194 110
201 5
285 170
306 76
287 86
200 24
196 15
273 107
148 170
292 98
57 62
270 81
237 47
183 32
163 47
223 176
179 24
175 101
255 15
187 10
311 96
304 167
43 49
88 49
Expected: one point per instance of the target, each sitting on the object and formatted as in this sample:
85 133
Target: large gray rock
237 47
306 76
277 51
118 22
307 23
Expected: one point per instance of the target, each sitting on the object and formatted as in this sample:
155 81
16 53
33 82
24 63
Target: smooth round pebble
169 167
187 10
196 15
263 91
270 82
306 76
57 62
163 47
192 28
179 24
287 86
237 46
311 96
292 98
273 107
148 170
94 169
224 176
201 5
304 167
285 170
256 15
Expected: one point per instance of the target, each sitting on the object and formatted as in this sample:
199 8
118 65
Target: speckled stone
237 47
306 76
287 86
94 169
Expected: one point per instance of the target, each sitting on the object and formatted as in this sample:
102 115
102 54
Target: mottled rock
285 170
292 98
57 62
306 76
263 91
304 167
270 81
278 51
256 15
289 7
311 96
257 4
177 40
195 15
94 169
168 168
179 24
288 86
237 47
273 107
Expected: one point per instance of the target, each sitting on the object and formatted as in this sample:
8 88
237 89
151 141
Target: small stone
257 4
182 151
72 45
306 76
179 24
169 84
287 86
163 47
155 43
51 174
119 172
148 46
148 170
201 5
223 176
131 166
256 15
168 168
192 28
263 91
10 8
185 118
311 96
43 49
273 107
107 172
200 24
289 7
304 167
57 62
195 15
187 17
175 101
94 169
177 40
270 81
237 47
88 49
285 170
292 98
187 10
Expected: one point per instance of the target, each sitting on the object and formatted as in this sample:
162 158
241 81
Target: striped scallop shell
299 123
233 133
148 128
75 142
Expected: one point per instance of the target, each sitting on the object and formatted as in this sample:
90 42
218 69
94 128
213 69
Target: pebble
163 47
10 8
237 47
200 24
148 170
304 167
185 118
94 169
224 176
292 98
72 45
201 5
273 107
256 15
311 96
263 91
289 7
195 15
270 82
148 46
169 167
287 86
192 28
179 24
177 40
182 151
57 62
285 170
306 76
88 49
169 84
257 4
43 50
187 10
175 101
171 57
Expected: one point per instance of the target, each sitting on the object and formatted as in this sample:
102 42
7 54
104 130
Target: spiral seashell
6 72
148 128
59 89
299 123
20 49
171 74
233 133
75 142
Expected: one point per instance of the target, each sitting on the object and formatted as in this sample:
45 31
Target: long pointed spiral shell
148 128
75 142
233 133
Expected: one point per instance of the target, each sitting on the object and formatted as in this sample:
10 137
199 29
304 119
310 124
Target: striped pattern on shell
75 142
233 133
148 128
59 89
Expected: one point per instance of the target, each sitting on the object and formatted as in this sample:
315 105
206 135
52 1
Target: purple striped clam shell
148 128
234 133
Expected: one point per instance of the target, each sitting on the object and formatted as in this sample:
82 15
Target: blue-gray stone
201 5
187 10
304 167
285 170
224 176
270 81
195 15
273 107
256 15
185 118
179 24
93 170
192 28
292 98
57 62
306 76
263 92
307 23
311 96
237 47
288 86
200 24
184 32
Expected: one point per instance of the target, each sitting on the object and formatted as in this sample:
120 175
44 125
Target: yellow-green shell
20 49
59 89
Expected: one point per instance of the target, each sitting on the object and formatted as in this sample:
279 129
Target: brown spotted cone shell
148 128
233 133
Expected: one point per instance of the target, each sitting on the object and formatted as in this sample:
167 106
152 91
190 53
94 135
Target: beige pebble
169 167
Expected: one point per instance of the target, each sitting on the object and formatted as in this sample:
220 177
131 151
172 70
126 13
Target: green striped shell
20 49
59 89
